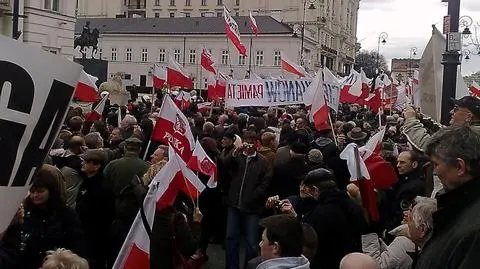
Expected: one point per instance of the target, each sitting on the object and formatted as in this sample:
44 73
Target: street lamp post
382 38
451 60
413 53
311 7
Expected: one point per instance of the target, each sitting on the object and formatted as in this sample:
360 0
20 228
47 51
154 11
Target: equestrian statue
87 39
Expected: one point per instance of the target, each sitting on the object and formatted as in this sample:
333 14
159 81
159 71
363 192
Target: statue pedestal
119 98
94 67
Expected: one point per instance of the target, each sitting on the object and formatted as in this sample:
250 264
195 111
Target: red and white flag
202 163
319 110
172 128
253 24
373 145
204 107
159 76
86 90
291 67
351 91
233 32
183 100
218 91
366 85
207 61
475 90
96 113
177 76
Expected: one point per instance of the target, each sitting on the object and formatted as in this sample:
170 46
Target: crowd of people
282 189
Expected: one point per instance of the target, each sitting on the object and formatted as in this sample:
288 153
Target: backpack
130 199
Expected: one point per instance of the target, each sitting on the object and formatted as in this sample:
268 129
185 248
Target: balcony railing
135 6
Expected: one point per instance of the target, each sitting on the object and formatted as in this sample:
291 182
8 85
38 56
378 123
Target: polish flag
183 100
96 113
366 85
475 90
374 100
233 32
163 190
253 24
184 180
172 127
86 90
202 163
290 67
373 145
212 86
204 107
177 76
319 110
217 92
351 91
207 61
159 76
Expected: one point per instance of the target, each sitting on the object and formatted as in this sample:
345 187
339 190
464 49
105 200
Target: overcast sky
409 24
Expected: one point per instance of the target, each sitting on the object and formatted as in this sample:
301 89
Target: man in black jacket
335 217
246 197
455 242
95 207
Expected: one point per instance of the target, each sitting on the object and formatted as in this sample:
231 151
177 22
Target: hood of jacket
265 150
285 263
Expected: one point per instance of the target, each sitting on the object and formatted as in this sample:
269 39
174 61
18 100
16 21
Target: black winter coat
338 222
287 177
250 182
455 243
96 208
25 244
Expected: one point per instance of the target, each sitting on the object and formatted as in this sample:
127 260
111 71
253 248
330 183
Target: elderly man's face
300 124
451 175
115 135
460 115
405 164
158 155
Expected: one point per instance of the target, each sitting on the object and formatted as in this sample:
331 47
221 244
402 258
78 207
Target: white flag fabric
373 144
348 154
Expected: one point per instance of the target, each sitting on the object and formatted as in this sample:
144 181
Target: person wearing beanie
314 159
335 217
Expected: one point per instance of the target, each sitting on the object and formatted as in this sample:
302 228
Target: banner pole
146 149
333 129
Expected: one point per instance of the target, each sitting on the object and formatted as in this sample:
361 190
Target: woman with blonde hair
64 259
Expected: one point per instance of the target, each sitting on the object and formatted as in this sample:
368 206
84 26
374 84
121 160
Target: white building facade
133 50
332 24
48 24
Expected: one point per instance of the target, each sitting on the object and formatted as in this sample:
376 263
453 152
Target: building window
224 57
219 2
144 55
157 14
128 54
237 13
52 5
237 2
187 14
277 59
157 2
204 2
161 56
172 14
114 54
193 57
172 2
176 55
259 58
241 60
202 14
219 14
205 81
100 53
187 3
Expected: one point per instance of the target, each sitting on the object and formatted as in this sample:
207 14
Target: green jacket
121 172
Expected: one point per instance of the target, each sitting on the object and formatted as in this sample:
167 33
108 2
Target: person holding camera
335 217
247 194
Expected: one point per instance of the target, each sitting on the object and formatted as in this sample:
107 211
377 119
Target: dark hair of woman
49 179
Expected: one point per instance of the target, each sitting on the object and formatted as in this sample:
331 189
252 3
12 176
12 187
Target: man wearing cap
95 207
336 218
466 112
121 174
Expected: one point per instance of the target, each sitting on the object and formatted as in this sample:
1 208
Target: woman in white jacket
398 255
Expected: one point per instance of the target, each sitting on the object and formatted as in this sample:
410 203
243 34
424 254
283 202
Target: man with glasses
466 112
247 194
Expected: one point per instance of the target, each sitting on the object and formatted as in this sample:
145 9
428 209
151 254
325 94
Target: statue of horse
87 40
